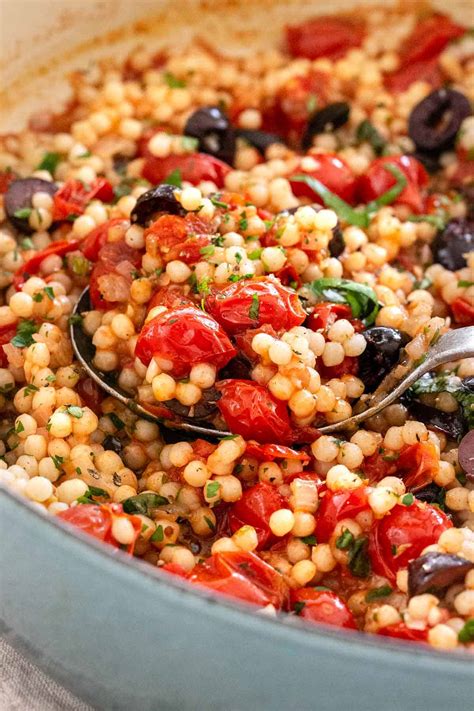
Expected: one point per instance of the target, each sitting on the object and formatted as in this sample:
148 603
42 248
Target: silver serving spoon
451 346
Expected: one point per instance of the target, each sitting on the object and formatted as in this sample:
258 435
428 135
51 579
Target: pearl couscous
264 240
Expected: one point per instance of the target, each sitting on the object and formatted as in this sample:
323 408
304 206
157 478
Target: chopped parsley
299 607
144 503
173 82
24 334
377 593
408 499
80 265
345 540
366 131
212 489
207 251
309 540
159 535
254 310
23 213
57 460
75 320
48 290
210 523
49 162
116 421
466 635
218 203
75 411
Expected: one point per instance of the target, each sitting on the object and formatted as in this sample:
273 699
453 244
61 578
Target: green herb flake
309 540
408 499
207 251
212 489
49 162
464 284
75 411
359 560
361 298
75 320
255 254
19 428
57 461
144 503
437 221
173 82
377 593
48 290
218 203
80 265
116 421
158 536
366 132
27 243
174 178
345 540
38 297
23 213
243 222
24 334
254 309
466 635
299 607
210 523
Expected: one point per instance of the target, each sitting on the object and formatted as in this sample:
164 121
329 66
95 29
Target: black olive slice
451 423
451 244
159 199
466 455
332 117
260 140
435 121
381 354
212 129
204 409
114 444
17 200
434 571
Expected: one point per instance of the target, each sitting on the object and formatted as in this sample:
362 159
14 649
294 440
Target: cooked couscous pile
264 240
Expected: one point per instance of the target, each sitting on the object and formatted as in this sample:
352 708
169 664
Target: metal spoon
451 346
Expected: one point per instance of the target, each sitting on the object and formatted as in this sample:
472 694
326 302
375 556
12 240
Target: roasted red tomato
377 180
73 197
193 167
402 534
31 267
416 464
401 631
269 452
97 520
420 52
333 172
251 411
185 336
244 576
252 302
337 505
170 296
6 177
294 104
176 237
112 274
463 312
322 606
324 37
95 240
254 509
325 314
6 335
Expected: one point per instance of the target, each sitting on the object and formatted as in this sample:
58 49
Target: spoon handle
452 345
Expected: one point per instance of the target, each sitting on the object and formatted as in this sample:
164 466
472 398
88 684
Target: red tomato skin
403 77
186 336
96 520
176 237
269 452
110 256
416 527
401 631
377 180
463 312
97 238
31 267
254 509
277 306
174 569
6 177
326 314
333 172
244 576
324 37
194 167
290 111
170 296
337 505
323 606
90 394
251 411
417 465
73 197
430 37
6 335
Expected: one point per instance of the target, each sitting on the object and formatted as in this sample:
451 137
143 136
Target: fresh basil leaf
359 560
174 178
361 298
366 131
49 162
24 334
144 503
377 593
334 202
392 193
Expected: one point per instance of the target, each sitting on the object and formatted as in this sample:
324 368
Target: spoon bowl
451 346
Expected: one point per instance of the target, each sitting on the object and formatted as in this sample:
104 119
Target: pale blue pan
123 636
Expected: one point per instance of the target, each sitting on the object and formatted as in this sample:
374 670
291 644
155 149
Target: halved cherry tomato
252 302
420 52
322 607
176 237
269 452
349 366
116 259
325 36
6 177
417 465
97 520
289 276
333 172
401 631
377 180
193 167
32 265
170 296
251 411
244 576
337 505
74 196
463 312
6 335
254 509
325 314
185 336
294 104
97 238
174 569
402 535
